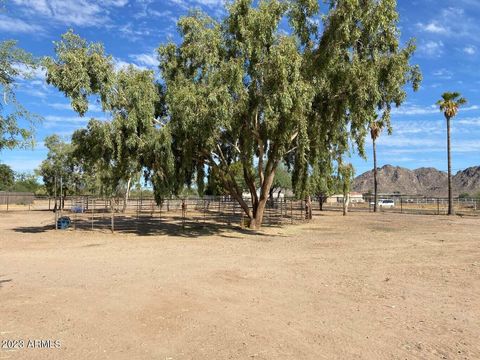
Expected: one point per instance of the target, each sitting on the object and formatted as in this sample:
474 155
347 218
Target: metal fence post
291 211
184 210
204 211
113 215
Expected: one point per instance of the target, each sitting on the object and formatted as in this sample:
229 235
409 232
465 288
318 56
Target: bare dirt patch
384 286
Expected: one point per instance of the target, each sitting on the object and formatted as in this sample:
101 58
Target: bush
464 196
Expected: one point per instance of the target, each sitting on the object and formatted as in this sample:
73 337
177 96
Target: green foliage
346 175
80 70
19 182
450 103
322 181
242 96
282 179
236 93
7 177
15 63
27 182
464 196
61 167
115 151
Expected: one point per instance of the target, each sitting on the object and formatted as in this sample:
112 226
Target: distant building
276 195
355 197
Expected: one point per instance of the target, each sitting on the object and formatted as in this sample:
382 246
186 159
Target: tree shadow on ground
155 226
3 281
34 229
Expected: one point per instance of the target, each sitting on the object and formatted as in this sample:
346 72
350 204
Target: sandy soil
368 286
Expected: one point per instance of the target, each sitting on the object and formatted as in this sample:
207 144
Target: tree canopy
243 95
60 168
114 150
7 177
15 64
450 103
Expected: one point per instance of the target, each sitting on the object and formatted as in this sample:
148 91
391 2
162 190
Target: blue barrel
63 223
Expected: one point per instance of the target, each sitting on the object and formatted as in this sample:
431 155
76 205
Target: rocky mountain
468 180
423 181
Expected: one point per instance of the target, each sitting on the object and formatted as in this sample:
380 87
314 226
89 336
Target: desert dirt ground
367 286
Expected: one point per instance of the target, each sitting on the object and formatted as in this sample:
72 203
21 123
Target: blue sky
448 53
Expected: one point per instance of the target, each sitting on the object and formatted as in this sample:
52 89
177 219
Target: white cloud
54 121
460 24
70 12
431 48
472 121
470 50
146 10
65 119
149 59
408 141
133 32
11 25
426 110
434 28
38 73
418 127
466 146
120 64
443 74
415 110
118 3
190 3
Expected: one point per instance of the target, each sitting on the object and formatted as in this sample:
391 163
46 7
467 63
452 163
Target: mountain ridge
427 181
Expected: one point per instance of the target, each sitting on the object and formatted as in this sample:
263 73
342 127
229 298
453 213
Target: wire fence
143 215
10 199
421 205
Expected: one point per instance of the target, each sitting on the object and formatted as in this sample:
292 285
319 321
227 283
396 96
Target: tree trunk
450 195
127 195
374 176
346 199
308 208
270 197
257 219
320 201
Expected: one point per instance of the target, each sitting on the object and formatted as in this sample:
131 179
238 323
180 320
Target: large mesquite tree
249 92
236 94
245 90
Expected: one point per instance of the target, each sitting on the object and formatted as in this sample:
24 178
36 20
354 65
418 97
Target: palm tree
449 104
375 130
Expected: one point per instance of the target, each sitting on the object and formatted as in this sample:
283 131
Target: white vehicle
386 203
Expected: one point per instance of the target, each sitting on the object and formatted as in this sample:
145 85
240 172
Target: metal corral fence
143 215
11 200
422 205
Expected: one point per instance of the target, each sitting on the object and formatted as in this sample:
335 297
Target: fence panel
421 205
143 215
